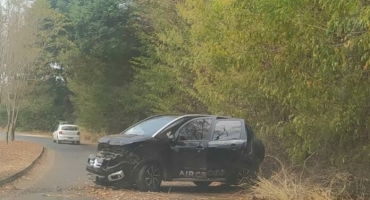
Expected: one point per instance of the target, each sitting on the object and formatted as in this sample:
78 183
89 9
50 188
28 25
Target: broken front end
111 166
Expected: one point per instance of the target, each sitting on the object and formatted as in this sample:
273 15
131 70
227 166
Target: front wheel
149 178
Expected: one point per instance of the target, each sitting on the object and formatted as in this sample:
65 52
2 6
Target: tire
149 178
259 150
58 141
244 175
54 141
78 143
202 184
247 175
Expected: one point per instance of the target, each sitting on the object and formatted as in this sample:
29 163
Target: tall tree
99 69
18 58
163 82
27 43
49 99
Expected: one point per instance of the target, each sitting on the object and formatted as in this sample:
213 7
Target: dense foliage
296 70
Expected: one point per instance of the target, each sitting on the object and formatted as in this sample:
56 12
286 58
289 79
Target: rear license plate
70 138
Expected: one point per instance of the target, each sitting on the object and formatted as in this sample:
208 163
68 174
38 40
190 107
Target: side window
198 129
227 130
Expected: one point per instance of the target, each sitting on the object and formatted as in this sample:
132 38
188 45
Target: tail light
61 132
78 133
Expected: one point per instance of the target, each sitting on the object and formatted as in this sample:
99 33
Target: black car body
198 148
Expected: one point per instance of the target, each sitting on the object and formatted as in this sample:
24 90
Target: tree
48 101
163 82
18 57
98 68
22 51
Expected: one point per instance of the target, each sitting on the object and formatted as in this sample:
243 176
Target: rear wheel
149 177
58 141
77 143
244 175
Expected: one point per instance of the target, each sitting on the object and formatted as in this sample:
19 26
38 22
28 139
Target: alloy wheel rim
152 176
243 176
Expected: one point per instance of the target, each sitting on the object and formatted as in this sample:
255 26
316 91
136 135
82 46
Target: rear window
227 130
69 128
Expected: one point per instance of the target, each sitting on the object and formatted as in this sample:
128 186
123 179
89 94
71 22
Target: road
60 175
61 171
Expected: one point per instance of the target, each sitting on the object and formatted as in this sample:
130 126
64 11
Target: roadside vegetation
297 71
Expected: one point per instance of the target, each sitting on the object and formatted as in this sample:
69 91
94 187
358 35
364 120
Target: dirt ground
17 155
169 190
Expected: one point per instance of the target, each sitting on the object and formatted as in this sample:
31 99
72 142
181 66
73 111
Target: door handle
233 146
199 149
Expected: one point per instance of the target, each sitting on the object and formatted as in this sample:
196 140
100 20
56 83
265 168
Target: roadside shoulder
18 158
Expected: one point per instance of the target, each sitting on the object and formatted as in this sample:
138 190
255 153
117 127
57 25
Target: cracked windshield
184 99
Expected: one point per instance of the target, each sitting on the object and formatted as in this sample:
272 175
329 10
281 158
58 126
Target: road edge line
22 172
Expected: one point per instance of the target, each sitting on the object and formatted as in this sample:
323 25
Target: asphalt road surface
58 175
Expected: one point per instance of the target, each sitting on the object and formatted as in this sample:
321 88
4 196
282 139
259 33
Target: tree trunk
14 116
14 124
7 125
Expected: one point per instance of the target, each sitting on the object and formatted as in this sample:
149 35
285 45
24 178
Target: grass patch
299 183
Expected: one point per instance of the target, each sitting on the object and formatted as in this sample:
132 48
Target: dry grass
298 183
88 137
285 186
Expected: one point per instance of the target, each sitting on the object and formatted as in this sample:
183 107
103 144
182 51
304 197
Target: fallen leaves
16 156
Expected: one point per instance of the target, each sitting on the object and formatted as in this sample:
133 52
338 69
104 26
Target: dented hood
121 139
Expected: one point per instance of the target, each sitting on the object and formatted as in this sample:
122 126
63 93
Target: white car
67 133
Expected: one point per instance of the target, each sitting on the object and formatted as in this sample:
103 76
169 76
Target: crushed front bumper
106 166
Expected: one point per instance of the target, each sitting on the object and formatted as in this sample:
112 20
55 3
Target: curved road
59 174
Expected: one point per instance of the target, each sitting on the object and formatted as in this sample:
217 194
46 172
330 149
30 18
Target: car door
226 147
189 151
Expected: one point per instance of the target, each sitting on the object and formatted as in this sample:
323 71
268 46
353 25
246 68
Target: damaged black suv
197 148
